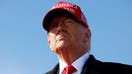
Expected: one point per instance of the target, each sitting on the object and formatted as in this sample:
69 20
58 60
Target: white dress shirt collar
78 64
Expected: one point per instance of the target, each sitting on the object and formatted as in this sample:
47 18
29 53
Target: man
69 37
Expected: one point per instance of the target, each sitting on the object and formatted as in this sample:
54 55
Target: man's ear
87 35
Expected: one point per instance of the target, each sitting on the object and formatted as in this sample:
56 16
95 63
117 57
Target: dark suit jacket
93 66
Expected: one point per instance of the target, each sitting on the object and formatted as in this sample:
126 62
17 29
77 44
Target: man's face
65 33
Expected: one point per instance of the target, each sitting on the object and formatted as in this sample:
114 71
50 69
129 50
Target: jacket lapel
90 65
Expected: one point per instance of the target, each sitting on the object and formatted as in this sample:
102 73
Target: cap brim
54 13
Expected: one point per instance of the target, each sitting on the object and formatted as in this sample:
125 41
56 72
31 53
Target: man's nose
60 26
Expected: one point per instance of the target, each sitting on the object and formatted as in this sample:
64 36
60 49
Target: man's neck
78 63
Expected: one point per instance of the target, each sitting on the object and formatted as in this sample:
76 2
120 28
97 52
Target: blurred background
23 41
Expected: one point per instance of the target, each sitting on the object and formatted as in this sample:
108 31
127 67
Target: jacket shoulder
117 67
54 70
49 72
99 67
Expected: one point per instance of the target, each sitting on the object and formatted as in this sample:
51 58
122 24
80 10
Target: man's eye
52 26
68 22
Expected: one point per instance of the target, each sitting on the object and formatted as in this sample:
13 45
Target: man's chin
62 45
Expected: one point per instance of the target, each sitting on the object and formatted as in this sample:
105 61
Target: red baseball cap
64 8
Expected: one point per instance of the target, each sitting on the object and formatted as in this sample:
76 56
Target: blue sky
23 42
